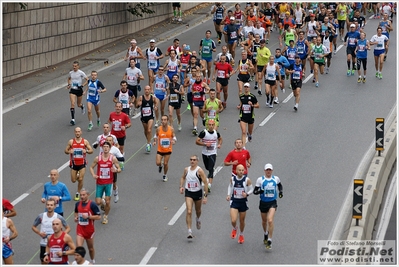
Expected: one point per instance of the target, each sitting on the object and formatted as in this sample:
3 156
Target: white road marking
288 98
178 214
307 78
267 118
148 256
21 197
218 168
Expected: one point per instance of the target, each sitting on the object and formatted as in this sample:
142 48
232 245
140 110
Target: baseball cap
268 166
312 15
353 25
187 47
246 85
152 41
133 41
310 11
232 18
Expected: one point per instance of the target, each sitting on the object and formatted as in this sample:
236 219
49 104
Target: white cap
232 18
133 41
152 41
353 25
268 166
247 84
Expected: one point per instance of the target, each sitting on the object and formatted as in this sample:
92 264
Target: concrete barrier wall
48 33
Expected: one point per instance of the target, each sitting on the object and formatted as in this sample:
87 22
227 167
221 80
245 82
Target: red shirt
104 170
241 156
84 224
55 245
223 69
117 121
78 158
184 60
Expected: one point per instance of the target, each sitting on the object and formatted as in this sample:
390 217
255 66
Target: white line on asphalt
148 256
308 78
218 168
339 47
21 197
288 98
267 118
178 214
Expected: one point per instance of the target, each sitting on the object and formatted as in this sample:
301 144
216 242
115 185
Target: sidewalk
53 78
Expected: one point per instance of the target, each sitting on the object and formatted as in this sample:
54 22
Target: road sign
357 198
379 134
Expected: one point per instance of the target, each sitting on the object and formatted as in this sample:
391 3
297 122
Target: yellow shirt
342 12
263 56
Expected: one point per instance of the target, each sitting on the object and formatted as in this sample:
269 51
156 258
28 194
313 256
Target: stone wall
48 33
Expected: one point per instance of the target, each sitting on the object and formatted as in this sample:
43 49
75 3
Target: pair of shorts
133 88
282 77
115 177
350 50
302 56
160 97
270 82
175 105
341 24
320 63
77 167
379 52
207 59
126 111
241 206
361 61
176 5
231 42
164 153
93 101
264 207
218 21
329 56
7 251
296 84
248 120
41 254
121 140
223 81
154 70
85 233
194 195
199 104
259 68
146 119
190 97
78 92
101 188
243 78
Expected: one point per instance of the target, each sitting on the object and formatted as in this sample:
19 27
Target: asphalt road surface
314 151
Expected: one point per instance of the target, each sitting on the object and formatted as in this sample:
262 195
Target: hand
235 162
95 146
228 198
280 195
181 190
123 128
95 176
43 200
204 200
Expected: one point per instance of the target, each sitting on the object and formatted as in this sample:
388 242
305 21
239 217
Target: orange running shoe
233 233
241 239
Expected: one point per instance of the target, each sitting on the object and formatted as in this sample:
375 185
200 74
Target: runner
80 253
133 76
57 191
303 49
153 54
262 58
134 52
328 43
223 70
177 13
9 232
232 31
211 141
240 187
147 104
218 11
206 47
77 79
243 68
175 46
161 92
107 164
266 186
319 51
272 70
238 155
225 52
45 220
296 72
185 61
212 108
101 138
124 96
59 245
8 208
77 148
248 102
342 12
199 89
121 159
363 45
165 138
94 88
350 40
386 26
175 98
172 65
86 212
381 41
119 122
190 184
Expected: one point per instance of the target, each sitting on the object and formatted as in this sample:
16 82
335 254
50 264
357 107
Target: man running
262 58
125 96
80 253
211 141
240 187
244 67
77 79
247 105
153 54
176 92
363 45
206 47
121 159
223 70
161 92
120 122
350 40
237 156
94 88
102 137
147 103
165 138
86 212
266 187
381 41
57 191
191 185
77 148
319 51
296 72
133 76
212 108
107 164
199 89
9 232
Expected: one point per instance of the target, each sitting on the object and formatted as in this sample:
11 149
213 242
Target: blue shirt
60 190
283 62
269 187
93 87
361 49
352 38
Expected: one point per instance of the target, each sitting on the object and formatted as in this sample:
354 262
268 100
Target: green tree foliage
138 9
23 6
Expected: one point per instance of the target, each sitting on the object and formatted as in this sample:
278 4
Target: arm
139 101
248 187
66 196
92 168
13 229
182 181
68 240
280 190
140 52
229 190
116 163
204 180
89 149
68 147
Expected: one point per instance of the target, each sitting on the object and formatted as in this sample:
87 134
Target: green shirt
207 48
212 114
319 51
289 35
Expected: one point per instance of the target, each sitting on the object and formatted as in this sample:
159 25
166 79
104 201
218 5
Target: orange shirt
165 140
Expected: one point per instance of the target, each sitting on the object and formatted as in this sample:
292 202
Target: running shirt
381 41
351 38
283 62
290 54
247 111
270 73
124 97
228 57
239 188
153 63
311 29
232 32
57 245
207 46
212 114
165 139
173 67
361 48
269 187
302 48
132 75
263 55
222 69
93 90
319 51
218 15
133 54
298 72
342 10
76 78
298 16
383 25
244 66
78 157
160 85
239 17
198 91
102 138
117 121
104 170
193 181
46 225
260 31
328 42
89 208
255 49
212 138
174 98
184 60
60 190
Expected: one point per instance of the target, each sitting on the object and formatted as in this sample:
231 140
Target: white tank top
172 65
85 263
210 138
134 54
311 31
5 230
270 72
124 98
193 184
298 16
47 226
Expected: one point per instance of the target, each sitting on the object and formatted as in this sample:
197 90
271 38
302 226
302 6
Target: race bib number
183 67
78 153
153 65
82 221
92 91
352 41
165 142
300 49
212 114
117 125
246 108
197 95
206 49
105 173
380 45
233 35
131 78
146 111
53 254
174 98
75 85
159 85
270 76
172 68
361 48
296 75
244 68
221 74
219 16
269 193
238 192
192 184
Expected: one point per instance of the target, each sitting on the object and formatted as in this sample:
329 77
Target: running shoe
116 198
283 90
359 79
317 84
327 70
83 109
385 58
271 105
72 122
188 106
190 235
165 178
77 196
276 100
269 244
98 123
380 75
241 239
179 126
364 79
233 233
195 132
266 237
348 73
148 148
209 81
224 105
267 104
219 41
105 219
249 137
311 71
296 107
314 80
203 122
102 205
156 124
259 92
256 87
198 224
90 127
180 19
353 72
376 74
122 165
267 41
160 168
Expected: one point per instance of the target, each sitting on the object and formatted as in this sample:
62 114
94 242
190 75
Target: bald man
57 191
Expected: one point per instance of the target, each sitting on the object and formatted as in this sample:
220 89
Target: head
232 19
123 86
240 170
132 63
172 54
237 6
198 76
165 120
268 170
278 52
318 40
106 147
244 54
94 75
224 49
160 71
247 87
298 60
250 23
211 125
118 107
238 143
186 49
80 253
147 90
84 195
175 78
212 93
50 204
110 140
193 160
353 27
262 43
301 35
152 43
362 35
54 174
75 65
222 58
176 42
271 60
57 226
133 43
292 43
208 34
106 128
78 132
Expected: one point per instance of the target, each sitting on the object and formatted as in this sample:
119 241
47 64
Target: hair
176 40
212 90
208 31
278 49
50 200
93 71
123 82
81 251
175 75
107 143
76 62
84 189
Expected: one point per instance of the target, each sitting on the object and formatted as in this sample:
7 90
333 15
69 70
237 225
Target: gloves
95 145
280 195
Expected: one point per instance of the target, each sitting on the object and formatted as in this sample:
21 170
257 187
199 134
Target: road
314 151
